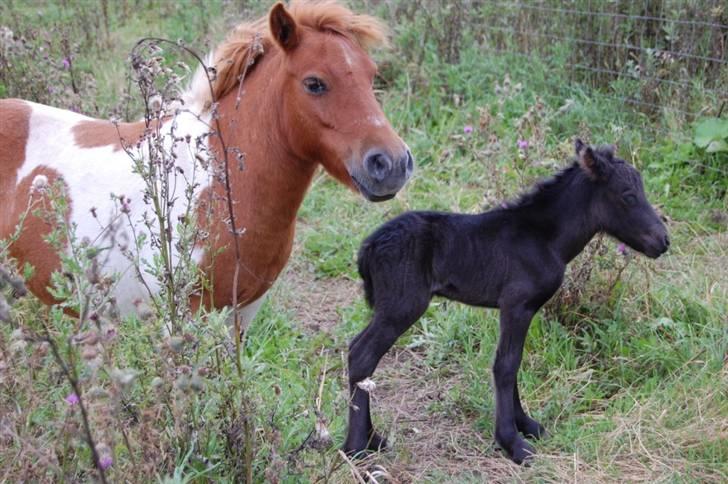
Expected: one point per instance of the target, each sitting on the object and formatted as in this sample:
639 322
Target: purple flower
467 129
522 144
72 399
622 249
66 63
105 462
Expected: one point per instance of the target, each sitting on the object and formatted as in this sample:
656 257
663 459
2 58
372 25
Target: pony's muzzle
383 175
380 166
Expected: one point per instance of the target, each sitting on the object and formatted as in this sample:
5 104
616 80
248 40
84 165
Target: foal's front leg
525 424
514 322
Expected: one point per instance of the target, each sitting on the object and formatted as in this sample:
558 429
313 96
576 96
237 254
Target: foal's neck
567 215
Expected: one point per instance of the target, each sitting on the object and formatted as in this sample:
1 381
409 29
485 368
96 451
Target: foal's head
330 113
619 203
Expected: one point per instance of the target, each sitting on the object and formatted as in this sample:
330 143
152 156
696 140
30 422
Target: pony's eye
630 200
314 85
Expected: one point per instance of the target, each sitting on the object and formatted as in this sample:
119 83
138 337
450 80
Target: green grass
630 386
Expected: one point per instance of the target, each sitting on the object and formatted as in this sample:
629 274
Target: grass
631 383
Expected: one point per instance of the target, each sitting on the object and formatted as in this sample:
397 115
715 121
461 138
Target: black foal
512 258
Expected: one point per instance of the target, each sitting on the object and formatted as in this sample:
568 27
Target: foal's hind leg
364 355
525 424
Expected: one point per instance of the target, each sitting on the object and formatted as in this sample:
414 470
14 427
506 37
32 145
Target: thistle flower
622 249
106 461
72 399
123 377
468 129
367 385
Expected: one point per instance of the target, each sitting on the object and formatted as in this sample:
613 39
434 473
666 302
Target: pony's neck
568 216
270 188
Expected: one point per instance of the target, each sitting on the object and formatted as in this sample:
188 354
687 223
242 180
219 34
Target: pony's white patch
375 120
198 253
246 314
346 51
92 175
198 96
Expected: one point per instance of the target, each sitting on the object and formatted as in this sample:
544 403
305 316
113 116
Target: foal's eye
315 86
630 200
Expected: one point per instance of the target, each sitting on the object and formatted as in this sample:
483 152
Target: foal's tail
363 262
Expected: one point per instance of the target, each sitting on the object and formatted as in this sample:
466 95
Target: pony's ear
283 27
589 161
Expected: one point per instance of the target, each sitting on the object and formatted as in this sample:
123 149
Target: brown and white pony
306 100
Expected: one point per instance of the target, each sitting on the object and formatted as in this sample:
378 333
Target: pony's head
620 203
322 83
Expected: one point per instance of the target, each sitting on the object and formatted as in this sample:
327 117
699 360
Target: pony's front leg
514 322
525 424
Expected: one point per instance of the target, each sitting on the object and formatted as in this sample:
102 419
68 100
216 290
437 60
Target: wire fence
667 57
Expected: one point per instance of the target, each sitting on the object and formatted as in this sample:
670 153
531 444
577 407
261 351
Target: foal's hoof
376 443
532 429
519 451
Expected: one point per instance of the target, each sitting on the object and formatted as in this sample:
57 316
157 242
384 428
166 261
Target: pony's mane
546 188
247 42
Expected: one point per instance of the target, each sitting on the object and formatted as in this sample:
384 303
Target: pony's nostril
667 241
410 162
378 166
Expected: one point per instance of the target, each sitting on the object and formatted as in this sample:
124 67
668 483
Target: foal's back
467 258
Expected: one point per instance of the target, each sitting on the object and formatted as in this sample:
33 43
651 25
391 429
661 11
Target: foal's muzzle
657 244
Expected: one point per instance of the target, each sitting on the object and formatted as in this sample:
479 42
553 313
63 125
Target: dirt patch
316 301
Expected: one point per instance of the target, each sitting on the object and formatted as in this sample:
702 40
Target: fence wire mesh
666 57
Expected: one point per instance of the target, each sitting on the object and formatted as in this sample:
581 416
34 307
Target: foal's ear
283 27
589 161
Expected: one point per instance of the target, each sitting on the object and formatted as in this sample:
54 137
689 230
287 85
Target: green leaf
717 146
709 130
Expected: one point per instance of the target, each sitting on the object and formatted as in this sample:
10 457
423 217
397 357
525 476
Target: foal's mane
246 44
545 189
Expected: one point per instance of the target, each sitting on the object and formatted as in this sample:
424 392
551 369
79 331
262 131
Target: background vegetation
626 367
